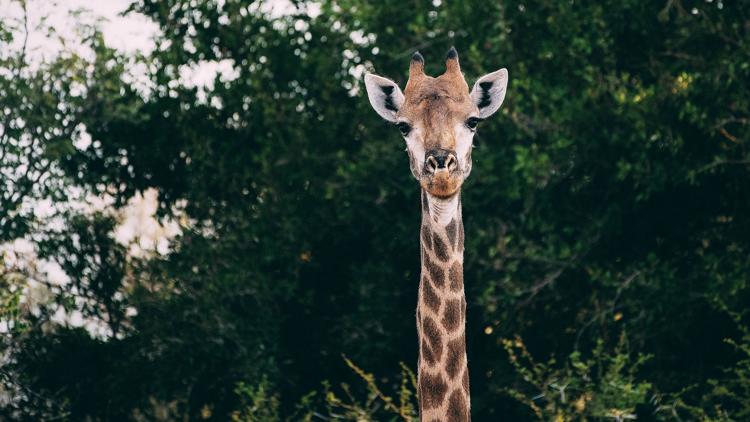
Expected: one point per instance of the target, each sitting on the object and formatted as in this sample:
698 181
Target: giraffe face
438 118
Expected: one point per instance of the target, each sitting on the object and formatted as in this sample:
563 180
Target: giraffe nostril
431 164
451 163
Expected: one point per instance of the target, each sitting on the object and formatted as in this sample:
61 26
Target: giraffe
438 118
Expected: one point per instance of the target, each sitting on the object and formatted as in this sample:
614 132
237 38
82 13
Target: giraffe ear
489 92
385 96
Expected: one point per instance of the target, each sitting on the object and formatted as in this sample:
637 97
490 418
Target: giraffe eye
404 128
472 122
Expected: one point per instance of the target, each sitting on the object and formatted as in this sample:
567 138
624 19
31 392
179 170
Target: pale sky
128 34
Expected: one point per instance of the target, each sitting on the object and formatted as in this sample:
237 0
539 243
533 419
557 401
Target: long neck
443 375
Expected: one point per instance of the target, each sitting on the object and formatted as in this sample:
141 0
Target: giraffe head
438 118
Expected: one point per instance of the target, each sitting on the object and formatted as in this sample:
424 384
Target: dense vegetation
607 216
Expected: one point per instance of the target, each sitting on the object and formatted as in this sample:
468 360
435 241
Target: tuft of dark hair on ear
388 92
485 100
416 57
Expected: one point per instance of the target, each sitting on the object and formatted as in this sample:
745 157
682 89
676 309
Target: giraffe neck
443 374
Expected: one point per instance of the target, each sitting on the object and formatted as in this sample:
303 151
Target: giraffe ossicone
438 118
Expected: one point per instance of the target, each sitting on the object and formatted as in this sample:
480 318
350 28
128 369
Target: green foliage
723 398
257 403
377 405
601 386
733 391
38 124
261 403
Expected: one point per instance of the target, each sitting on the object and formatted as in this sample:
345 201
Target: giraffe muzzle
441 176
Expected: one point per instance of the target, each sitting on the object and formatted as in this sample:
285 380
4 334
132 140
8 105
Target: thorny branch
613 306
722 163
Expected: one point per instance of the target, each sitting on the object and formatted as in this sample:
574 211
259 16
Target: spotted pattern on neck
443 375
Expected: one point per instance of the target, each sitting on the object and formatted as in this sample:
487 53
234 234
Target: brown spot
428 295
431 332
456 276
465 381
452 314
433 389
451 230
461 236
425 204
427 354
426 238
455 357
457 409
440 250
437 275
